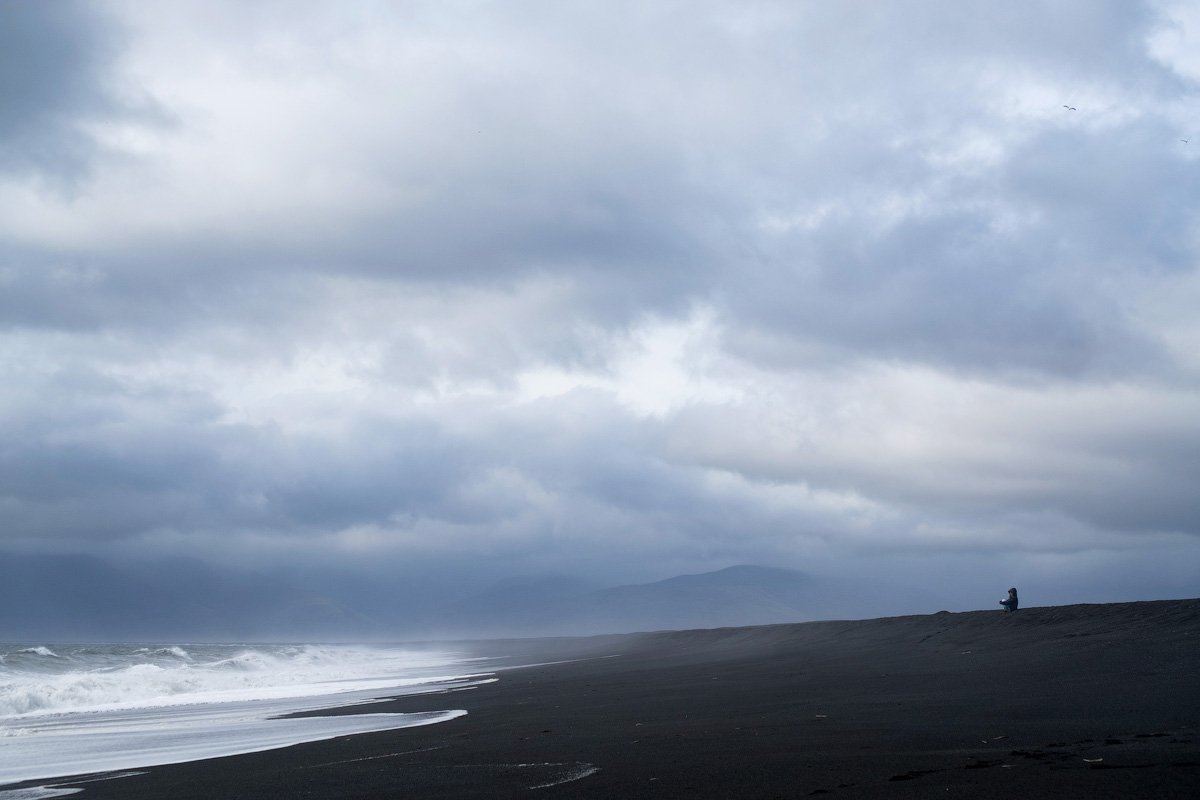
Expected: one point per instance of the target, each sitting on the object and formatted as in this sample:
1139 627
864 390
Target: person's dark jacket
1010 604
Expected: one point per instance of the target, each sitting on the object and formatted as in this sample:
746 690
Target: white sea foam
99 708
103 680
572 773
37 793
40 651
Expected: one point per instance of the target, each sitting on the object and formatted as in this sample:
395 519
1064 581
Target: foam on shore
73 709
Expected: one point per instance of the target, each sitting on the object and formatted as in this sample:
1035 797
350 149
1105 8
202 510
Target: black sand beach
1078 701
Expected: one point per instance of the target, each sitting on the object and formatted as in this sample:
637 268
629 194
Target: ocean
83 708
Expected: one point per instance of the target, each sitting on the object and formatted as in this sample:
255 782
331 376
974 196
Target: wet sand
1060 702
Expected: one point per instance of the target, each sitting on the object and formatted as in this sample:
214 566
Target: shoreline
1066 701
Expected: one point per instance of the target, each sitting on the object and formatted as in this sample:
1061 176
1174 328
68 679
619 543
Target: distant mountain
515 605
82 598
79 596
740 595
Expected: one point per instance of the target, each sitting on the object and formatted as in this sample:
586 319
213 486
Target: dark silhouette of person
1010 602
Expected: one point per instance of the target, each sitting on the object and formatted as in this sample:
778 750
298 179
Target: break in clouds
619 289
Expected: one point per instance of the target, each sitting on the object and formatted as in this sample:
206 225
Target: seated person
1010 602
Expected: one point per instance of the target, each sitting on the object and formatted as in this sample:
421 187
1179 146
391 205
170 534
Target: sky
618 290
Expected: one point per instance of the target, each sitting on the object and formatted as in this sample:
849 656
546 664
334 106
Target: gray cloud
56 66
622 290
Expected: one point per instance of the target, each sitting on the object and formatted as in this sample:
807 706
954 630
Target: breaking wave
39 680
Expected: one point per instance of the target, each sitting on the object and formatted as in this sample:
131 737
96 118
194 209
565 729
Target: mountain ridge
81 597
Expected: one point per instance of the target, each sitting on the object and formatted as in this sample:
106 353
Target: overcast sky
611 289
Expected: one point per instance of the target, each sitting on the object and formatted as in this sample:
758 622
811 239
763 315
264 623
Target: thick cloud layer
619 290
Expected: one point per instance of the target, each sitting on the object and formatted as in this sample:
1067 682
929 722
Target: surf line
371 758
581 771
64 788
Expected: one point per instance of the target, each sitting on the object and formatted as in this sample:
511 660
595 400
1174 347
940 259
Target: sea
70 709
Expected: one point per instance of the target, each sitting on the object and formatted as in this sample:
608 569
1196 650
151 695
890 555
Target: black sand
1088 701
